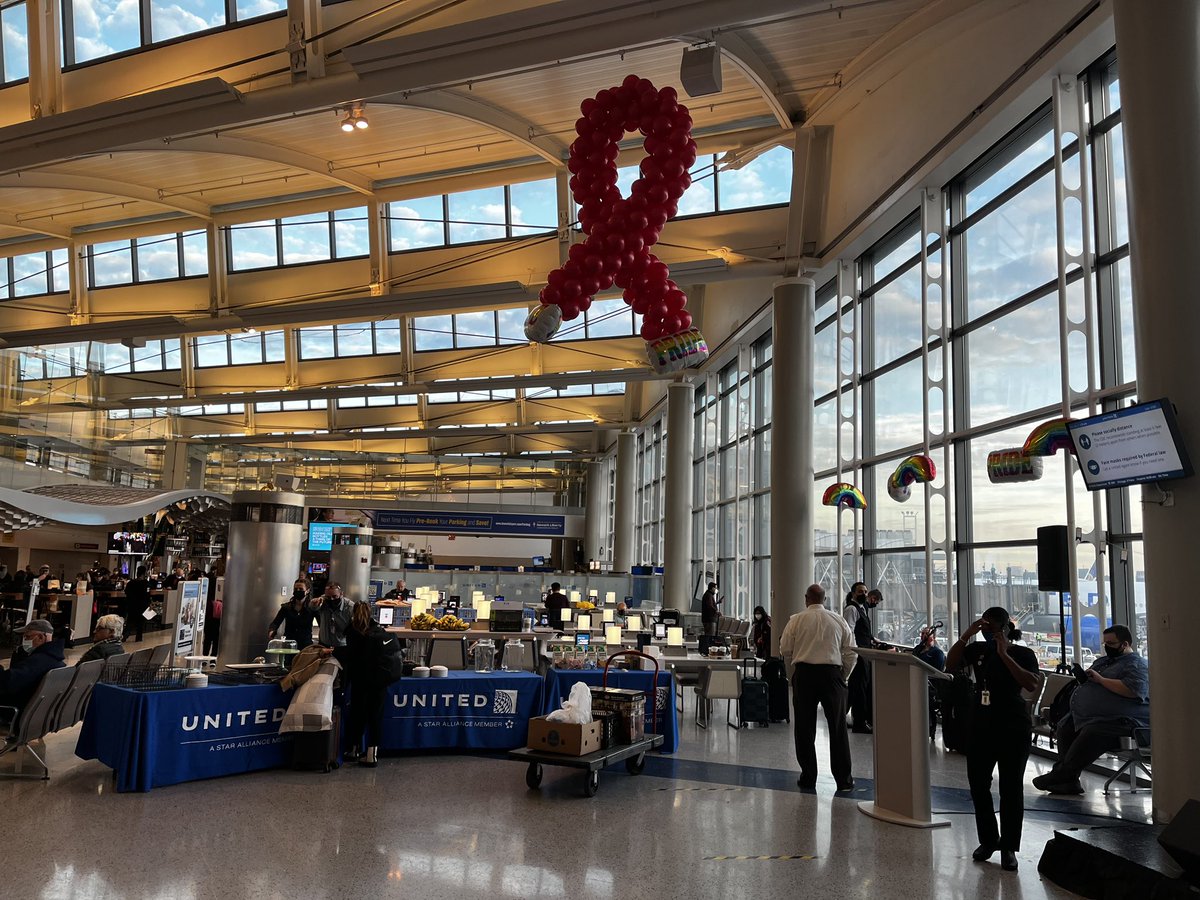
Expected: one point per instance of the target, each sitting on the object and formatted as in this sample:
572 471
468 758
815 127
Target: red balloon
676 300
685 320
576 251
590 286
569 312
650 331
658 271
550 294
672 324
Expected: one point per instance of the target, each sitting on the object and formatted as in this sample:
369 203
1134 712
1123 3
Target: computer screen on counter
386 614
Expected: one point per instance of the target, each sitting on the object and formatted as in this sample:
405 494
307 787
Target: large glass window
312 237
14 43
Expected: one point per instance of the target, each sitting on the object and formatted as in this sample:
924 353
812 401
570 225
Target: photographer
1000 729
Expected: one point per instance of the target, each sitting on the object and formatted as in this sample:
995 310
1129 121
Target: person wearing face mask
760 633
39 654
1000 729
858 602
1113 701
296 616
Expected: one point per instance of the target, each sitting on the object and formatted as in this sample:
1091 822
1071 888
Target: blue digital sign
320 535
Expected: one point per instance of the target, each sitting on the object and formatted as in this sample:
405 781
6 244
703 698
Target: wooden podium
901 698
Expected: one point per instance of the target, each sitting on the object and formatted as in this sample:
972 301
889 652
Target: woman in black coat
760 633
363 660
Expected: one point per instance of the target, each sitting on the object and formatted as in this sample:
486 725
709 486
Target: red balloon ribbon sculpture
621 230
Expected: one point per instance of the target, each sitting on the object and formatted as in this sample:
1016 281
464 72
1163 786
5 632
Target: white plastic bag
577 708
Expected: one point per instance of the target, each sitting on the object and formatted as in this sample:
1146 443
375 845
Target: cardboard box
565 737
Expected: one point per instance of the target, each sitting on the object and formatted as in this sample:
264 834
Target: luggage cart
633 755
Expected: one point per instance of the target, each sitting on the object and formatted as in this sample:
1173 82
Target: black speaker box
1181 839
1053 560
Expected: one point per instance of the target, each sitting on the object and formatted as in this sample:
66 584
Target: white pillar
677 527
623 511
792 566
596 499
1160 98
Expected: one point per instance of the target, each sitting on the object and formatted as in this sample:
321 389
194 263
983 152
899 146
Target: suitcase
779 703
319 750
955 701
754 705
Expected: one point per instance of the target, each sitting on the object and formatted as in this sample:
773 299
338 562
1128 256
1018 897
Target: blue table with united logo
155 738
558 688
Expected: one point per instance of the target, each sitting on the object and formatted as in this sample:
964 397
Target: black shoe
984 852
352 755
1008 860
807 784
1066 787
844 786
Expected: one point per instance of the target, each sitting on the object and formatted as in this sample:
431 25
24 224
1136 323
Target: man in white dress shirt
818 647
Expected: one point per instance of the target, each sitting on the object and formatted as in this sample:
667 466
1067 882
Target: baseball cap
38 625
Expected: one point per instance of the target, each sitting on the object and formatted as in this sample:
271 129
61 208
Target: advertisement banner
470 523
463 710
190 618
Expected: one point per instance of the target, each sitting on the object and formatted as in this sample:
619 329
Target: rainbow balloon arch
622 230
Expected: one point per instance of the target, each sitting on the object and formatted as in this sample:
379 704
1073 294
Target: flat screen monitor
539 560
386 614
1137 445
583 639
544 620
318 568
453 602
660 631
669 617
442 596
320 535
128 542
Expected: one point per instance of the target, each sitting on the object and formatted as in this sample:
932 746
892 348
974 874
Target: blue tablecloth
465 710
559 681
155 738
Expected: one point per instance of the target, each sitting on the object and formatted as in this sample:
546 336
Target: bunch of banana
423 622
450 622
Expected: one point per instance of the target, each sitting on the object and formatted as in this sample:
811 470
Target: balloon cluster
621 230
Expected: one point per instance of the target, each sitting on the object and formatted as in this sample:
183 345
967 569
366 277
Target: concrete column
1160 99
593 528
677 526
791 451
624 512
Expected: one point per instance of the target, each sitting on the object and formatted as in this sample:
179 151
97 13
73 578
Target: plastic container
485 655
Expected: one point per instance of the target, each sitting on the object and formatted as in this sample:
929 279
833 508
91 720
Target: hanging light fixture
355 119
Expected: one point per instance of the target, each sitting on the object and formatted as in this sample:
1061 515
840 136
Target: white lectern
901 697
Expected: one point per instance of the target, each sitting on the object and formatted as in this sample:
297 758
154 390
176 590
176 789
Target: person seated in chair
1113 701
106 639
39 654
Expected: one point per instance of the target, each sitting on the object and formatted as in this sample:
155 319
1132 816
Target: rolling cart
633 754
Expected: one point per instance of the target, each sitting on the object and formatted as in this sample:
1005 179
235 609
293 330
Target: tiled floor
454 826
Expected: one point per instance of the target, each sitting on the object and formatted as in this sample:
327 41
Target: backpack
1060 706
390 655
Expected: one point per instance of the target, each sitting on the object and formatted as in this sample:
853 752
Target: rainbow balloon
1048 438
915 469
1013 464
843 494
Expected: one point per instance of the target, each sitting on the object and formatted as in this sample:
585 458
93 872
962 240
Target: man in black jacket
556 602
39 654
137 600
857 604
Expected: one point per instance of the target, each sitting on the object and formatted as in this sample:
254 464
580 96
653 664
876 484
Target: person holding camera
1000 729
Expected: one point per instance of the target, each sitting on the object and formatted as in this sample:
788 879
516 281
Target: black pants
1004 746
1079 748
212 637
822 685
367 699
134 620
860 694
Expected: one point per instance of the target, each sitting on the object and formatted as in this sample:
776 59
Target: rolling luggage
319 750
778 702
754 705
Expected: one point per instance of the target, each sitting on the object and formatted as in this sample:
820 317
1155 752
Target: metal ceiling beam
10 221
109 187
259 150
480 112
545 35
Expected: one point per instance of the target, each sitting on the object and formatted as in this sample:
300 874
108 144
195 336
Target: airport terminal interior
247 244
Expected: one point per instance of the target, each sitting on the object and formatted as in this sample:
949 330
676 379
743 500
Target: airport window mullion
333 254
278 243
446 227
230 11
508 219
145 21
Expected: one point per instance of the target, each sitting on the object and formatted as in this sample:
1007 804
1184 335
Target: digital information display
1130 446
320 535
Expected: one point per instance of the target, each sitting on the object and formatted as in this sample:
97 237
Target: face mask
297 595
1112 652
27 645
989 637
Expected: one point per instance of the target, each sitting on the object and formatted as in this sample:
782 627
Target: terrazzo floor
464 826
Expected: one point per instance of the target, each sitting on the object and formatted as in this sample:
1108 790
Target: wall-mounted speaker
700 71
1053 559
